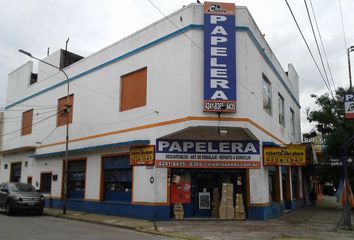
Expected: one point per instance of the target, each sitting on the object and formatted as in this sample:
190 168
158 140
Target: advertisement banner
181 192
207 154
142 155
291 155
219 57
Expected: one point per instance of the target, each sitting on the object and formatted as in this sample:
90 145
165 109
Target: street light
350 49
67 109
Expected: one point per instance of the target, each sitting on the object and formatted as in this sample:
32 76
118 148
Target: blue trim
294 204
160 213
267 212
151 44
94 148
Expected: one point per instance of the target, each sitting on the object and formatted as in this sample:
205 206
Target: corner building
152 88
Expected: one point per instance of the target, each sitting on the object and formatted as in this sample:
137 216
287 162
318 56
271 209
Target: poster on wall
291 155
142 155
181 192
219 57
207 154
204 200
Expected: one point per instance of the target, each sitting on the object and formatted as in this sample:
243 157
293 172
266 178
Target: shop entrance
205 188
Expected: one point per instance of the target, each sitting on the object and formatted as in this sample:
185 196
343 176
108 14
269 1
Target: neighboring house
151 88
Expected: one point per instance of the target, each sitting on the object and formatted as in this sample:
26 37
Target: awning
18 150
92 148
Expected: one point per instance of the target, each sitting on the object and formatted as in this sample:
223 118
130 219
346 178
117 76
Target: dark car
20 196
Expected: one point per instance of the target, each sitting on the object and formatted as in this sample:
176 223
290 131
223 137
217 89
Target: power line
341 17
33 123
158 9
324 50
308 48
318 48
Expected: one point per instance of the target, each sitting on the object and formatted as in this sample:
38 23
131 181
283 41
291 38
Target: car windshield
22 187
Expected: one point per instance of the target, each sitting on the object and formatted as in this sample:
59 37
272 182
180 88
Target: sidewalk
322 222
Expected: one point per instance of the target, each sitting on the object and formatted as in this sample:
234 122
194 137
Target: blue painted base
115 208
267 212
294 204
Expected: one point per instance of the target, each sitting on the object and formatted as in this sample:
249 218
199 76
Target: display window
76 178
117 178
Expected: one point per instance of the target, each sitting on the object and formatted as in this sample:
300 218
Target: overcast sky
35 25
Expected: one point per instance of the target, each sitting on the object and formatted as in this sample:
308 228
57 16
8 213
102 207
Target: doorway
46 182
207 182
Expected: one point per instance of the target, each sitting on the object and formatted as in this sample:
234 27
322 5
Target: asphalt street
31 227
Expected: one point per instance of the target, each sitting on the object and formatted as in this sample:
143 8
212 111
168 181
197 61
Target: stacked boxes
239 208
178 211
215 203
226 209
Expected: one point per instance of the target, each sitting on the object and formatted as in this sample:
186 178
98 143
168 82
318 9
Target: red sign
181 192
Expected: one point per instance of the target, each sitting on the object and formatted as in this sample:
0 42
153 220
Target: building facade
152 88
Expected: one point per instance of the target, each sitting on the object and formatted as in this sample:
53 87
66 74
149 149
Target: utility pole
350 49
67 110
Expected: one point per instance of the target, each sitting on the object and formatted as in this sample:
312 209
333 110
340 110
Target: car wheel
39 212
9 210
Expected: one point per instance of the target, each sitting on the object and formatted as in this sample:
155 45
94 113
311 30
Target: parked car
20 196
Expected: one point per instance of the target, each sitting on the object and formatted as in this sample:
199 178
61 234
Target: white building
147 89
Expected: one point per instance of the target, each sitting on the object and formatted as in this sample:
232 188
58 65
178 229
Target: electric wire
324 50
318 48
158 9
308 48
343 29
3 135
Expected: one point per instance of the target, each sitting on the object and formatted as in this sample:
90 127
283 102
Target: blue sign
219 57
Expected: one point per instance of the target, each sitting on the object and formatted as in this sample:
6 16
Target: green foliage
330 122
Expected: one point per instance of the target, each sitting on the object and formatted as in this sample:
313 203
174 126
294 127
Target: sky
91 25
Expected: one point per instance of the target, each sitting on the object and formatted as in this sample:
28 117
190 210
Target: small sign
291 155
338 162
349 106
142 155
204 200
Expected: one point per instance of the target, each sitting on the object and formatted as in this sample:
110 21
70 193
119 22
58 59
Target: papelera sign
219 57
349 106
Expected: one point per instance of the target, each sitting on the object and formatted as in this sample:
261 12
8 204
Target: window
15 173
76 178
292 122
267 95
133 90
46 182
117 177
34 77
271 183
294 182
281 110
63 108
29 180
27 118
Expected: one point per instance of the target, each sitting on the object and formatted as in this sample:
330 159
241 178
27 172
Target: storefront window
271 182
294 183
76 178
117 178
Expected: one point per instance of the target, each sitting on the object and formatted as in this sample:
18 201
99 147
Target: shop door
202 193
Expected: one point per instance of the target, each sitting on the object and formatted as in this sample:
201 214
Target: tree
330 123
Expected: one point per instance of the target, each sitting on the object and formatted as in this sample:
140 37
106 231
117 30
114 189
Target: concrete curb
122 226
